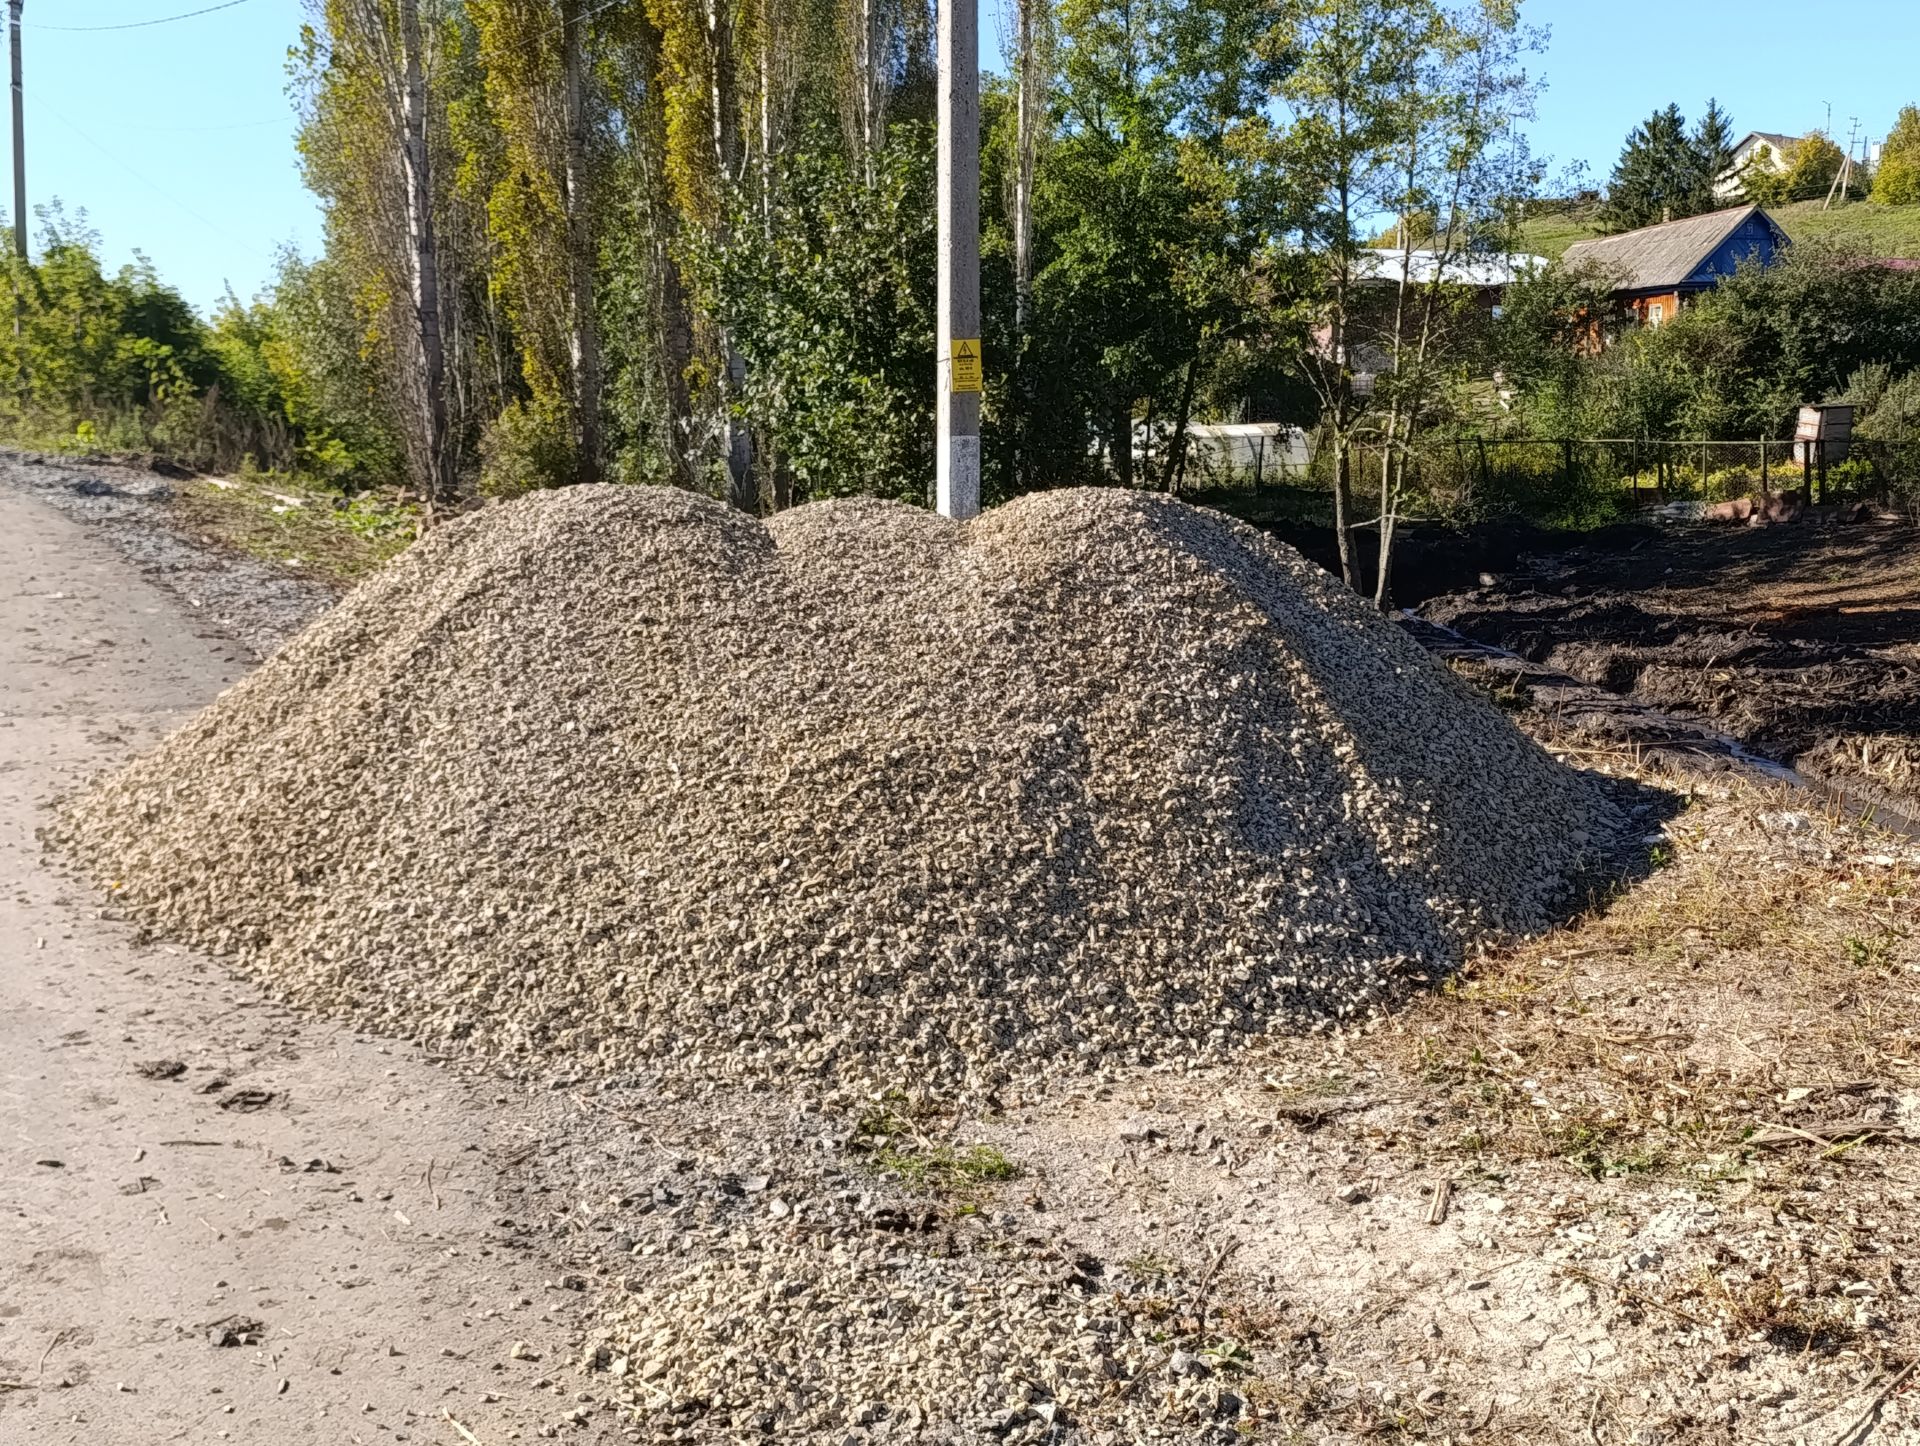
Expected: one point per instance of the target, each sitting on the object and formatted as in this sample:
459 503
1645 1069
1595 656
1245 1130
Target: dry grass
314 531
1761 984
1886 762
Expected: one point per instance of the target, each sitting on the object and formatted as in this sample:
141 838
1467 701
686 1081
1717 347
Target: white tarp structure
1227 454
1240 450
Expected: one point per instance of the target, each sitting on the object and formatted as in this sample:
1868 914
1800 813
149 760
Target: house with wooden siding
1659 269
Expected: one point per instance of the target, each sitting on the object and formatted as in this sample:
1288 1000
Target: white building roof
1384 266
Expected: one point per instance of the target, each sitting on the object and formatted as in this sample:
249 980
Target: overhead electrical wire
137 24
147 181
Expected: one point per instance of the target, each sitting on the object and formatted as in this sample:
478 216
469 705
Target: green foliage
1550 323
1713 148
1152 207
891 1141
1665 173
1896 180
526 447
120 362
1887 413
1813 163
94 345
829 300
1736 364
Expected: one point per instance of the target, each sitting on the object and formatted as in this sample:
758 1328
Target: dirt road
184 1163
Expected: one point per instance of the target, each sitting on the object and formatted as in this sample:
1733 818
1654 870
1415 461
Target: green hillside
1888 230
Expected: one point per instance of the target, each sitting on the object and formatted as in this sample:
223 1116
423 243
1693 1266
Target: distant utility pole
957 360
19 138
1843 177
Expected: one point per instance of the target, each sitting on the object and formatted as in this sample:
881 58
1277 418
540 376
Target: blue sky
178 138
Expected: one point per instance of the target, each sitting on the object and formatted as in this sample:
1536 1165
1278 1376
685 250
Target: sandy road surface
280 1178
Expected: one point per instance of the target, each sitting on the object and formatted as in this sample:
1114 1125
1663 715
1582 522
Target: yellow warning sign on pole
966 364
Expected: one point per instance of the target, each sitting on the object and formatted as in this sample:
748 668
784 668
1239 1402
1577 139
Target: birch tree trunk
434 460
583 334
1033 62
723 97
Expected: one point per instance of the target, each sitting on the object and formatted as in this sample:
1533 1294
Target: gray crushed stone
257 605
859 795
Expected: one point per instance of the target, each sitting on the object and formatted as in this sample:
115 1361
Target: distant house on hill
1658 269
1757 150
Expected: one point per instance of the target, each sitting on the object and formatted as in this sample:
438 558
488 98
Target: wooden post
1566 464
1481 444
1822 444
1259 456
19 137
1765 491
1703 469
1806 472
19 192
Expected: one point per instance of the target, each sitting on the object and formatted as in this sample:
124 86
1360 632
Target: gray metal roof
1664 255
1383 265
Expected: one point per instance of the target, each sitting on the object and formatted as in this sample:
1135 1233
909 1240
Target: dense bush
1735 365
120 362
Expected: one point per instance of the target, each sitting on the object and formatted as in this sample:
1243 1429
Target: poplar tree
366 149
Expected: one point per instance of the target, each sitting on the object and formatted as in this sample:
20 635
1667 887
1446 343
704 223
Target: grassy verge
292 524
1749 1009
1885 230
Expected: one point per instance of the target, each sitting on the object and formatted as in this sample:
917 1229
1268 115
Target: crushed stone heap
860 793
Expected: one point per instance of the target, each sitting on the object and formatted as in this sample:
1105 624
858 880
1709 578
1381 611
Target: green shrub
525 448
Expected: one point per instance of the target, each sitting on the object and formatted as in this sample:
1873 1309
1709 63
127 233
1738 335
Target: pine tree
1657 177
1897 180
1713 155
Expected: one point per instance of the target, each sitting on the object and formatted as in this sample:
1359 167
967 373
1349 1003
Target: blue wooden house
1658 269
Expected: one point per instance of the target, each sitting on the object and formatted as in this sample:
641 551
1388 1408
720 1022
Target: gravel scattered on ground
861 795
258 605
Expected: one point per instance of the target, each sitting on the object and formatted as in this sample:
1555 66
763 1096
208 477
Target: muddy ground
1648 1179
1803 642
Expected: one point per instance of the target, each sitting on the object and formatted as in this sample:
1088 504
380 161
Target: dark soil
1797 640
1428 559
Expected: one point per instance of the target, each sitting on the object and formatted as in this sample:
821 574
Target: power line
583 15
140 24
152 185
280 120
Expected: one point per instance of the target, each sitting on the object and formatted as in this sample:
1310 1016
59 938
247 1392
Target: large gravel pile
859 793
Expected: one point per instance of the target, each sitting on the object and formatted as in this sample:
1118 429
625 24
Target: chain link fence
1558 482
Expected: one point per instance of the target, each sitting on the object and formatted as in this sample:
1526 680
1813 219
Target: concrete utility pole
19 139
957 362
